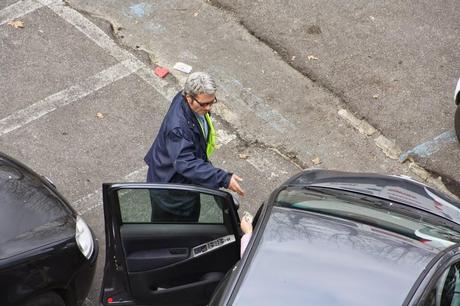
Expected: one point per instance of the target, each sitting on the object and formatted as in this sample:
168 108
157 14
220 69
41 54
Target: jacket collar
192 121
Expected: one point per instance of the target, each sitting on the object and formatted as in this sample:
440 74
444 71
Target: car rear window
330 247
26 204
398 218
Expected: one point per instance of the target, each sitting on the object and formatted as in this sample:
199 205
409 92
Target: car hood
38 239
32 213
399 189
305 258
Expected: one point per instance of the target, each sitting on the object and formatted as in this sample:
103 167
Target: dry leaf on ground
243 156
316 161
16 24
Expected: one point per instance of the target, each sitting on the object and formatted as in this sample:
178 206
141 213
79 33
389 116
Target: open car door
167 244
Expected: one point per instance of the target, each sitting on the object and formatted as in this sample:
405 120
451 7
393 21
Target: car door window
446 292
169 206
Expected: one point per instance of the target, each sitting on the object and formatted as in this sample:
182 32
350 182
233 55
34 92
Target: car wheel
457 122
47 299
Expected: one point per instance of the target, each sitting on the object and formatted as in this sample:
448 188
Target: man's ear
188 99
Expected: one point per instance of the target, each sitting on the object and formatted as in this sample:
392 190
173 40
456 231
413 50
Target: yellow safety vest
211 141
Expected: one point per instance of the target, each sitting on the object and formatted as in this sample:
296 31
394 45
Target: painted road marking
163 87
43 107
101 39
94 200
90 30
18 9
234 89
430 147
67 96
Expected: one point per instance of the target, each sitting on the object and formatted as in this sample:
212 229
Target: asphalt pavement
81 104
393 63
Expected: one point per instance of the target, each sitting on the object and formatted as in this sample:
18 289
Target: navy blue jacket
178 154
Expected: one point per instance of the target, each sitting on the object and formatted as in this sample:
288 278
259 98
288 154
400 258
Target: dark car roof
305 258
394 188
31 213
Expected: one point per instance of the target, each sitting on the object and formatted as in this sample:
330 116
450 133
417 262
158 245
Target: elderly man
181 151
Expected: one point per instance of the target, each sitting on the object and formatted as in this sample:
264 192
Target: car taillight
84 238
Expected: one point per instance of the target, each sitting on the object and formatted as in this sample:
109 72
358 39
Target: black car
47 252
322 238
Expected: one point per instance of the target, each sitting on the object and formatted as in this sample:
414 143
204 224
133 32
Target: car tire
457 122
46 299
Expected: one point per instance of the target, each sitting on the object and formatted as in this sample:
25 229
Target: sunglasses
204 104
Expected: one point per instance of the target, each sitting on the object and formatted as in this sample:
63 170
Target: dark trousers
172 206
162 216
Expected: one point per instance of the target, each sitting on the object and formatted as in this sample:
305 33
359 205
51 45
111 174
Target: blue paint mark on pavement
430 147
141 9
138 9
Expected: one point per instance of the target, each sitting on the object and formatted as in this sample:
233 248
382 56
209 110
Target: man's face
202 103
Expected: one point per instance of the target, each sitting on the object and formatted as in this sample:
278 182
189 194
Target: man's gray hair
199 83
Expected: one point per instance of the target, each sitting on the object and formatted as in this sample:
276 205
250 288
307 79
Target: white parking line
129 64
88 202
90 30
234 89
18 10
94 200
101 39
67 96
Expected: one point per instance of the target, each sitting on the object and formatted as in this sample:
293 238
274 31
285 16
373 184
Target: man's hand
234 186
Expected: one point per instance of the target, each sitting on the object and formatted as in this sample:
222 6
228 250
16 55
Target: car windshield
397 218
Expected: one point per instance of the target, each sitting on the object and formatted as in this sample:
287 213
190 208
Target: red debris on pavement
161 71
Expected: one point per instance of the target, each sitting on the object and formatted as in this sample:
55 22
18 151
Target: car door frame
115 269
431 275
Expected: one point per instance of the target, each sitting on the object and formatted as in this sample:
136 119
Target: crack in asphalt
255 143
283 54
450 183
